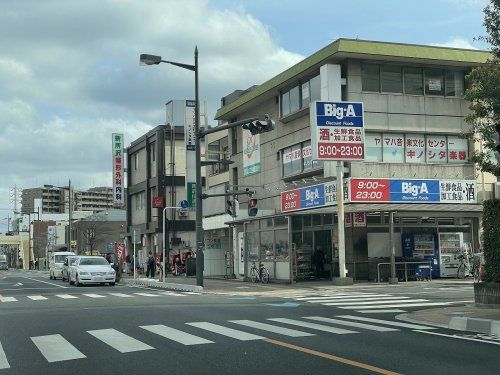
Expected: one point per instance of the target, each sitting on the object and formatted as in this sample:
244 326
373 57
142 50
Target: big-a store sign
337 131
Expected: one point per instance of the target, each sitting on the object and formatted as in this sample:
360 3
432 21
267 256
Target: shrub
491 240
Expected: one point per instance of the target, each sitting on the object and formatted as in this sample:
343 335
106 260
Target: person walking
319 262
150 265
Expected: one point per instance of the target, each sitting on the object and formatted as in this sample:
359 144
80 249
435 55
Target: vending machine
424 247
451 245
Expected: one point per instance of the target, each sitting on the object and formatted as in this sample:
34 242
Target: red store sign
158 202
370 189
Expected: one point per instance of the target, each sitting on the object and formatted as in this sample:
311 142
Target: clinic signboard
190 144
380 190
337 131
118 169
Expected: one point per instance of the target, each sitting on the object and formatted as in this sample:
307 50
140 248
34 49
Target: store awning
402 209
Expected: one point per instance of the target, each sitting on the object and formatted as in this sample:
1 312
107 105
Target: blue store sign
415 191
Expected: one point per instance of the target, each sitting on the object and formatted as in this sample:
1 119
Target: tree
483 93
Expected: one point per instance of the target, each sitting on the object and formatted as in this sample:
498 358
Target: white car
68 263
91 270
56 261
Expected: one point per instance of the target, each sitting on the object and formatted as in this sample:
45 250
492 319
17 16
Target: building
413 117
155 180
51 199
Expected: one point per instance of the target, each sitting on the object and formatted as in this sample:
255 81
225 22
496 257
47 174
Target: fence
405 271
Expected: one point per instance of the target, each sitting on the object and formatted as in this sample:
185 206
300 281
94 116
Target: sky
70 74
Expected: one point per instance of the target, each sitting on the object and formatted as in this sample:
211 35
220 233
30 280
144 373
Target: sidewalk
469 318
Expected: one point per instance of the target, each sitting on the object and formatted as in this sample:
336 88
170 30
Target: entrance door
323 239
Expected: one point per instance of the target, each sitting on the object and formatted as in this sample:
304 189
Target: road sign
337 131
73 244
184 204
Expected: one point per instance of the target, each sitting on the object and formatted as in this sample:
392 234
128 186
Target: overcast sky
70 74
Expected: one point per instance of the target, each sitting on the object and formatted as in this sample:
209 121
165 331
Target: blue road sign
184 204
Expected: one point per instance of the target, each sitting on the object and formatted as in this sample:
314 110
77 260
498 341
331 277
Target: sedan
91 270
68 263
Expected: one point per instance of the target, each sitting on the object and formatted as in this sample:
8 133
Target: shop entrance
323 241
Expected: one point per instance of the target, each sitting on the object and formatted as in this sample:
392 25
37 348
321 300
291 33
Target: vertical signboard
118 175
190 141
337 131
251 153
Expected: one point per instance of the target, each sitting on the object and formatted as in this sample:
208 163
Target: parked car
68 263
91 270
56 261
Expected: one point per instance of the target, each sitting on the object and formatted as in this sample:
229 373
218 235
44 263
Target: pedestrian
150 265
128 264
319 262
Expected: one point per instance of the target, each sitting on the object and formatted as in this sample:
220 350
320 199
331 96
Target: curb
406 318
487 326
168 286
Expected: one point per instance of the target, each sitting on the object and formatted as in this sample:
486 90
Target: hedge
491 240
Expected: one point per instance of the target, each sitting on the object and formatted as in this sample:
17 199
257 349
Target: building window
300 96
234 141
414 82
373 147
298 158
370 77
454 83
391 78
393 148
136 160
434 82
152 152
217 150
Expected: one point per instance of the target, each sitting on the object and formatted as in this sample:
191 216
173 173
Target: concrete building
413 117
94 199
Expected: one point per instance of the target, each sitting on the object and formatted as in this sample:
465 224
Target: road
49 327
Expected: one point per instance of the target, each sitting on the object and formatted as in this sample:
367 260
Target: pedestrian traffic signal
252 207
231 208
260 126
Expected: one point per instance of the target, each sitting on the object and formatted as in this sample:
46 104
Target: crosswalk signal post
252 207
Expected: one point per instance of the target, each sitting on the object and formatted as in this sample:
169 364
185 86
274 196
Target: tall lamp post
155 60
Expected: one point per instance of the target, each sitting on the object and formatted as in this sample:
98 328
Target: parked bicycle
467 268
259 274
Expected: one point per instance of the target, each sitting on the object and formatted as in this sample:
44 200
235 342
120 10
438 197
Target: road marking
173 334
193 293
340 295
318 327
18 284
229 332
346 361
56 348
386 322
8 299
357 298
119 341
65 296
46 282
378 301
3 359
457 337
37 298
122 295
397 305
92 295
147 294
351 324
272 328
173 294
364 299
380 311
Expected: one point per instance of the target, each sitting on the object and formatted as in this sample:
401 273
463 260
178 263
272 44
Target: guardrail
413 270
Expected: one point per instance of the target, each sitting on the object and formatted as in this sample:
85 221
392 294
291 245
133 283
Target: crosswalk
41 298
366 302
54 347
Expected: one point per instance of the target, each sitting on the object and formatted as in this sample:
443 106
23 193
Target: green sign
191 194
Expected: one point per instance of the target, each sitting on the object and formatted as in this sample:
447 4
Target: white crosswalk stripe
318 327
173 334
377 301
351 324
406 304
272 328
381 311
147 294
225 331
8 299
3 359
341 296
56 348
174 294
66 296
119 341
367 299
92 295
121 295
37 298
384 322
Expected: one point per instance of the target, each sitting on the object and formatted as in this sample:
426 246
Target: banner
118 175
251 153
190 142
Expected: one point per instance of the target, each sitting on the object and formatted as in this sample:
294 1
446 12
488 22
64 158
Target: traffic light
260 126
252 207
231 208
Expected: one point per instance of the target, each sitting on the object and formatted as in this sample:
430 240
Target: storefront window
281 221
393 147
307 155
253 244
391 78
307 221
296 223
415 148
282 244
266 223
327 219
296 159
316 220
414 83
266 245
373 146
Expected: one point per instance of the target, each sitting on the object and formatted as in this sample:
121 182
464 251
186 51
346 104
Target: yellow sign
73 244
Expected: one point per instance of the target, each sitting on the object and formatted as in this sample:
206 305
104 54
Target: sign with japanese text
378 190
251 153
458 149
337 130
309 197
436 149
415 148
190 142
359 219
158 201
118 169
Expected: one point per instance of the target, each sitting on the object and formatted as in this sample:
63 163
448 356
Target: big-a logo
331 109
414 188
312 194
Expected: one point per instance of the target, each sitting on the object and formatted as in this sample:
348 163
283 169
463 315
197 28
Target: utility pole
70 216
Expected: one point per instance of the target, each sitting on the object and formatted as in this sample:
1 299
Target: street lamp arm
185 66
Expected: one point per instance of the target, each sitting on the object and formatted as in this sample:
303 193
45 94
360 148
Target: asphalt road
49 327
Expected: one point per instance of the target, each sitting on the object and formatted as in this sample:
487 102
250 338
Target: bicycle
259 274
465 269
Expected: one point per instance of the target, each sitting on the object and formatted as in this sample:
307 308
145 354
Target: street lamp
146 59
